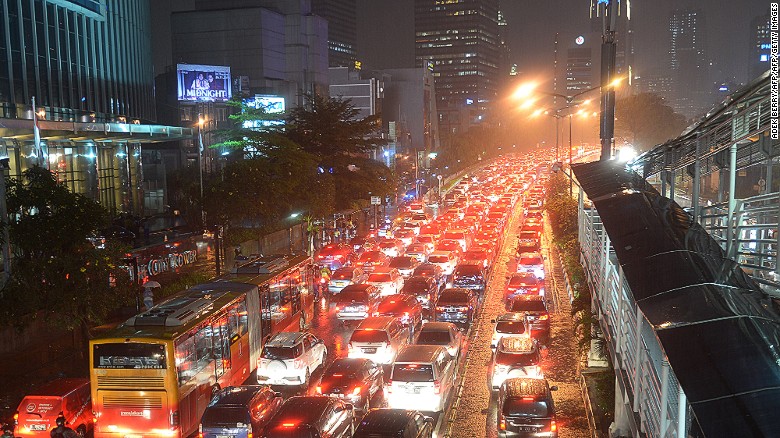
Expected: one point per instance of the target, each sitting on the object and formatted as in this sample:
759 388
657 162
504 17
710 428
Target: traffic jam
388 351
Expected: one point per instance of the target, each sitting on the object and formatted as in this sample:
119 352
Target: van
239 412
526 409
378 338
388 422
38 411
422 378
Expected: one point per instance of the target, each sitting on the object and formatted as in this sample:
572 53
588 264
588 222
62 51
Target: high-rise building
88 64
760 45
688 62
579 70
342 30
460 41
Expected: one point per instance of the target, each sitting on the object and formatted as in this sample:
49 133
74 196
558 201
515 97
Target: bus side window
242 318
233 322
186 359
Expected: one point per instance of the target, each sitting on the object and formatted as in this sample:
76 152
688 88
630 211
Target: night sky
386 32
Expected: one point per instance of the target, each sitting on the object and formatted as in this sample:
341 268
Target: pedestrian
148 298
8 431
62 431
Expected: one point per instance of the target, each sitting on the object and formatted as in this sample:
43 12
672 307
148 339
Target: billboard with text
204 83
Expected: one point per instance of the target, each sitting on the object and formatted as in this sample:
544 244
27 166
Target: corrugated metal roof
717 329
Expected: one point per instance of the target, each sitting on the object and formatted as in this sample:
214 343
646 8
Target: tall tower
760 46
342 30
460 41
579 70
687 61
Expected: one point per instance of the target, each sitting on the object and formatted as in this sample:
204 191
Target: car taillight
439 308
16 418
553 426
436 387
544 317
200 430
501 422
319 389
375 314
389 385
463 308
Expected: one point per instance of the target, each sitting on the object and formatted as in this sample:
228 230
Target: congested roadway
471 408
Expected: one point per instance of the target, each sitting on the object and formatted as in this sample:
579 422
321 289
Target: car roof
524 386
419 353
514 344
236 395
359 287
512 316
385 420
375 322
285 339
382 270
467 267
347 364
303 409
437 326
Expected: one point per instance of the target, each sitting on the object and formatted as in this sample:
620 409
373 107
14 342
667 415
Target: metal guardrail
653 392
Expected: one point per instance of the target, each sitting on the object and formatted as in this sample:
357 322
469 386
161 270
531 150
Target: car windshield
392 306
454 297
528 306
430 337
517 359
438 259
454 236
531 235
468 270
412 372
513 327
379 278
402 262
522 407
524 280
363 335
225 416
371 256
282 352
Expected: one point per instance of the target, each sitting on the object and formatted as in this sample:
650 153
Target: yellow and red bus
153 375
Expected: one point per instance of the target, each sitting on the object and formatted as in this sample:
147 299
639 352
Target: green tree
55 268
646 120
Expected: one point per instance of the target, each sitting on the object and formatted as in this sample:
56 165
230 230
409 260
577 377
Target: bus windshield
129 356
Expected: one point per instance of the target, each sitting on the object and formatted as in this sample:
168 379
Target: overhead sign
203 83
376 200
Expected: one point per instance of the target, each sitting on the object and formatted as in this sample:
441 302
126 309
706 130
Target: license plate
369 350
412 390
225 436
37 427
521 429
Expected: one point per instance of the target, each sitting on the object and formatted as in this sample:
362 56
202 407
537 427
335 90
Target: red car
404 307
477 256
449 245
522 283
335 255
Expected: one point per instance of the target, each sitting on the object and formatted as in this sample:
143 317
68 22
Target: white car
510 325
422 378
515 357
531 262
378 338
446 260
444 334
290 358
388 280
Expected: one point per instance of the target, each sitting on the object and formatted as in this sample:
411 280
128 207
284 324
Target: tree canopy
55 268
646 120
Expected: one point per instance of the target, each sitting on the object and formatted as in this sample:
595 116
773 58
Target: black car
355 380
537 315
433 271
251 406
526 408
392 423
456 305
426 289
468 276
312 416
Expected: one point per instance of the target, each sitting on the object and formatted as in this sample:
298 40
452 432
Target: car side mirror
553 388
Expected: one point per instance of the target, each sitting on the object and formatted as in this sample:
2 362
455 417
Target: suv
355 302
528 241
344 277
239 411
312 416
526 408
456 305
378 338
468 277
422 377
290 358
388 422
531 262
354 380
515 357
536 313
512 324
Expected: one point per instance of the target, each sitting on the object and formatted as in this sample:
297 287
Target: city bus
154 375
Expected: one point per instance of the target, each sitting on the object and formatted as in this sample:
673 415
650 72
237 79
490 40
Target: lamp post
201 122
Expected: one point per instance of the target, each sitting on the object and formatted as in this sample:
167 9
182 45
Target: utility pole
608 48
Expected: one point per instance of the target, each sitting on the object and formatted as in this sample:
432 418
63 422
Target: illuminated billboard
271 105
203 83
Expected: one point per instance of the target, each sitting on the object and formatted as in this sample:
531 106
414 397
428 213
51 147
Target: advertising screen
271 105
206 83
